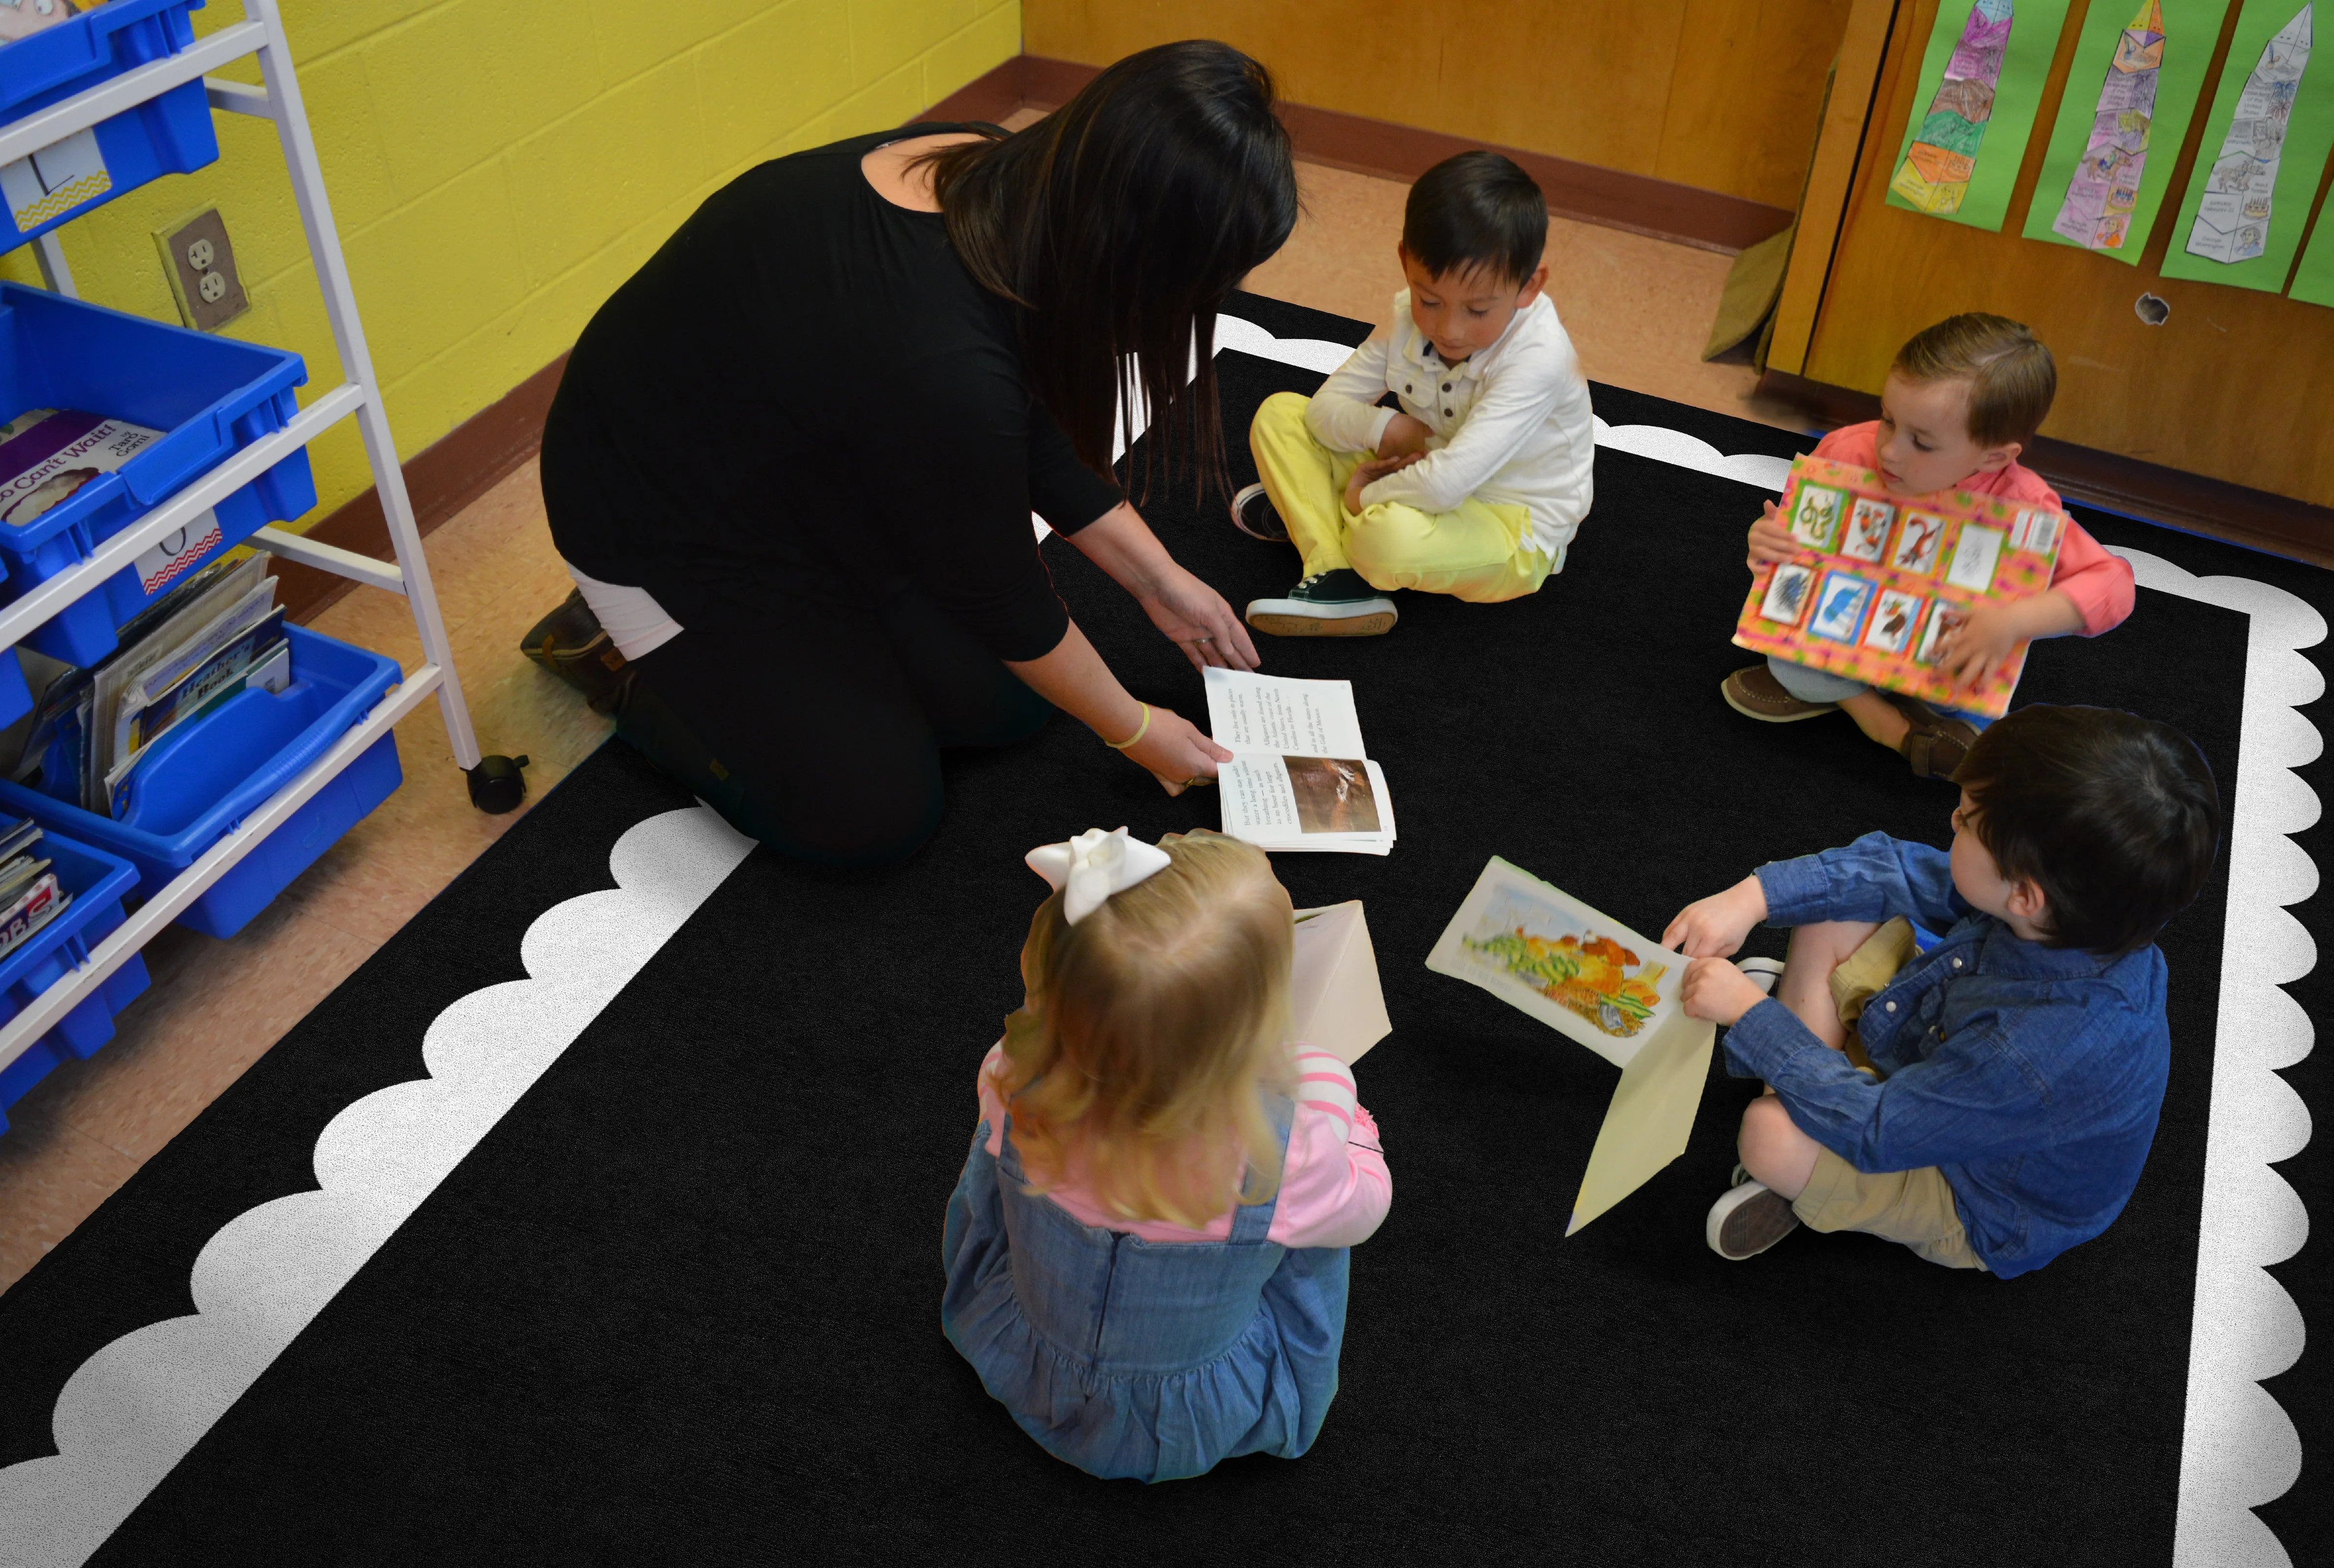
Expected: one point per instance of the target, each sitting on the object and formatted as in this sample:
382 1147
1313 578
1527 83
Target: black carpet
682 1302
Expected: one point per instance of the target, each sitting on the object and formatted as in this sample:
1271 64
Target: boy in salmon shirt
1962 402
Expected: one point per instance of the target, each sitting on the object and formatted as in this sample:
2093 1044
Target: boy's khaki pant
1915 1207
1475 551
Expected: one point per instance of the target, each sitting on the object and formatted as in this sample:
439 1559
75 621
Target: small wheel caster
497 785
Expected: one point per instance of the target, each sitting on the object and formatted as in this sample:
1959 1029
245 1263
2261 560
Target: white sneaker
1254 515
1765 973
1749 1220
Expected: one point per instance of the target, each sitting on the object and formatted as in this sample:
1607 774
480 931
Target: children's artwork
1787 594
2099 190
2264 147
1893 623
1981 82
1593 979
1840 606
1867 529
1879 622
2233 215
1815 518
1917 543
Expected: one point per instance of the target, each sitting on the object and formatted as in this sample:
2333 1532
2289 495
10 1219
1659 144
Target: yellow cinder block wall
496 167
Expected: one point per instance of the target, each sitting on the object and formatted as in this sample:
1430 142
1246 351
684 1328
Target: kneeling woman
793 460
1147 1251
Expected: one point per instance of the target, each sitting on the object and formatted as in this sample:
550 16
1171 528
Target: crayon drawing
1787 594
1815 517
1917 544
1839 609
1893 623
1943 621
1867 529
1543 947
1976 552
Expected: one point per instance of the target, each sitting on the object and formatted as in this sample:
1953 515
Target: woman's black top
805 389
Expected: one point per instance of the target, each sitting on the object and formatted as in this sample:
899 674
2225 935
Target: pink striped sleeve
1334 1188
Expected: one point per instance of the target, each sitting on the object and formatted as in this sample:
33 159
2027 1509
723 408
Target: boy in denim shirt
1988 1102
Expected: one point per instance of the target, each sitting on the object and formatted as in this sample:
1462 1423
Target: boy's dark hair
2115 817
2011 377
1478 209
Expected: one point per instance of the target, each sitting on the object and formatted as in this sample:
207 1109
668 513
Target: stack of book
29 894
217 634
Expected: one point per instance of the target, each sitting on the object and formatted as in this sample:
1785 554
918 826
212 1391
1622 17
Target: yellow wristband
1141 731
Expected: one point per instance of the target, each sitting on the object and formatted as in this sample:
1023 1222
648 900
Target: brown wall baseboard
1640 204
2190 502
440 479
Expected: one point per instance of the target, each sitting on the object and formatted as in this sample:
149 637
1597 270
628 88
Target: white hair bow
1093 866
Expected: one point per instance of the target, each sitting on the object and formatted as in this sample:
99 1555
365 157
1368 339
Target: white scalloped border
134 1410
2239 1448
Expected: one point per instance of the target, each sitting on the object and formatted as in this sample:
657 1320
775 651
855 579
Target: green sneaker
1337 603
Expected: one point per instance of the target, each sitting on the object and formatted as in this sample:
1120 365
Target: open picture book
1299 779
1542 951
1881 580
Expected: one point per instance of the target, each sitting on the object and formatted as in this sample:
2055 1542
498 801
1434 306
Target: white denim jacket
1511 424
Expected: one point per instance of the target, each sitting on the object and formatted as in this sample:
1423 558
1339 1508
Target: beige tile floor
1637 309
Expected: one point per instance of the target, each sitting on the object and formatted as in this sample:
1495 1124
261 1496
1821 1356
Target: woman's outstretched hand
1195 618
1176 753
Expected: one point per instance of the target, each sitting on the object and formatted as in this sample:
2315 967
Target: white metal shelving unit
260 34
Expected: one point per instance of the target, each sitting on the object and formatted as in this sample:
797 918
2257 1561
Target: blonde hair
1149 1032
2012 379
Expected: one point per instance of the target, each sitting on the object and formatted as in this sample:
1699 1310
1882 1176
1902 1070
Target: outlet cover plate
208 296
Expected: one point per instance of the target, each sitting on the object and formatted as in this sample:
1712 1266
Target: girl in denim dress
1147 1251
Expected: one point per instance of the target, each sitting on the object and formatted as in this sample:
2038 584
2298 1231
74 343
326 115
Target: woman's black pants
815 724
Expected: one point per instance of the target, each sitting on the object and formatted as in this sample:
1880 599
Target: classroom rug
597 1217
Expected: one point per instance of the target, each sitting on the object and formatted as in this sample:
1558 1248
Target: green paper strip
2314 283
2308 136
2190 29
1998 128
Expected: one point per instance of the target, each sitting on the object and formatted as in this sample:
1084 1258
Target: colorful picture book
1882 580
1596 981
29 894
47 456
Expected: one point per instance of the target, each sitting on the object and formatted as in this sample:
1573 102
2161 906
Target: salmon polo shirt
2098 582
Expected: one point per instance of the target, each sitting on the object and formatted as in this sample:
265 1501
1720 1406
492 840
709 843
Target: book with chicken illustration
1587 976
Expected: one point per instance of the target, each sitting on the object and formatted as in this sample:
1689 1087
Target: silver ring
1203 639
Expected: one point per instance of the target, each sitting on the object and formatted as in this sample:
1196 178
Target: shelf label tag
46 185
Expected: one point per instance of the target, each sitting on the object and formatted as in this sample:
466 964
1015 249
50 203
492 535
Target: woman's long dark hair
1119 223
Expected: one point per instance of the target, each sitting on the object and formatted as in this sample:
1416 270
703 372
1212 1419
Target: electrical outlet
200 261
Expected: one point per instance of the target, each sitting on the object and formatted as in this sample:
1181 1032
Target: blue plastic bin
168 134
97 882
15 697
211 396
205 777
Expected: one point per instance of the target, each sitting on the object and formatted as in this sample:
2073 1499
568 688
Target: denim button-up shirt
2030 1076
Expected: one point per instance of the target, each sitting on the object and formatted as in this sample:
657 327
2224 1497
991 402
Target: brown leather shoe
1755 692
1934 745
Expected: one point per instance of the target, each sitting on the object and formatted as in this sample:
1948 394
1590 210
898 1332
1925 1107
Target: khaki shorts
1915 1207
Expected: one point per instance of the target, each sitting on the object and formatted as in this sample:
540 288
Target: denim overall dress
1128 1357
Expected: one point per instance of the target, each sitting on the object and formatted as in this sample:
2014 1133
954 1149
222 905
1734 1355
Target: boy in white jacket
1477 484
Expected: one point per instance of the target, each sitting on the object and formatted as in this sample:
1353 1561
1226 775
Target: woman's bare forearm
1074 679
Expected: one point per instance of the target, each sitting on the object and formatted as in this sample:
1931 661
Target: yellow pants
1475 551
